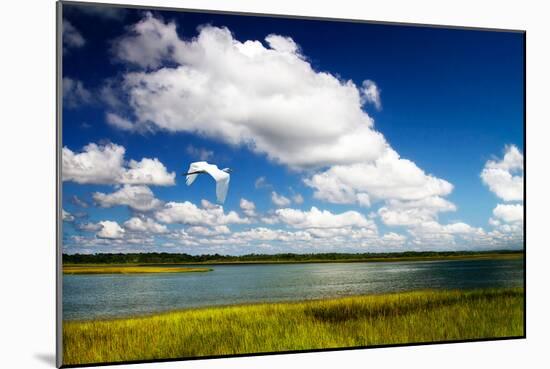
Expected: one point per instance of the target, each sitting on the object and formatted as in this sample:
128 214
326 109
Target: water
101 296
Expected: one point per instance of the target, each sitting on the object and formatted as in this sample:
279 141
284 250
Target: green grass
128 269
422 316
184 259
361 260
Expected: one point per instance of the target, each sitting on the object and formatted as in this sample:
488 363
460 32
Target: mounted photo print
242 184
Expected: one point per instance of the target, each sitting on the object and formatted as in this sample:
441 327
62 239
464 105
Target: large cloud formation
267 96
263 95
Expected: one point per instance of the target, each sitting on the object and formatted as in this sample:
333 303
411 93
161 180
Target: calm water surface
97 296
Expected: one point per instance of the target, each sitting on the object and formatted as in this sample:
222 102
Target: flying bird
220 176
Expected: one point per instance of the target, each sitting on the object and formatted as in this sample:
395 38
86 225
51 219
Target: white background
27 182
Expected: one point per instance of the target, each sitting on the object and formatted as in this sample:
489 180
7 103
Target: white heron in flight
220 176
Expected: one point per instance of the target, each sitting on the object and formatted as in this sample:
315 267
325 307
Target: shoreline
127 269
488 256
255 304
364 320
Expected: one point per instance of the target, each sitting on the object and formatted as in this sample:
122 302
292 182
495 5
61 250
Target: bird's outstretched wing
195 167
221 178
222 185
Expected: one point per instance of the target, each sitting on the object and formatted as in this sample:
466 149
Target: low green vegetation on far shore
185 259
128 269
398 318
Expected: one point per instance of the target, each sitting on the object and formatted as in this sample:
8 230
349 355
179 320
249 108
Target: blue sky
343 137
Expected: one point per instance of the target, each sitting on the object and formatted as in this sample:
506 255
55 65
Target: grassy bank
128 269
353 321
364 260
374 259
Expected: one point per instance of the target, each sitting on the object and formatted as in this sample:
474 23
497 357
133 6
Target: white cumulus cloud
117 121
431 233
203 231
110 230
407 213
71 36
265 95
370 93
139 198
393 239
388 177
298 199
248 207
75 94
279 200
509 213
280 107
105 164
261 182
188 213
505 177
315 218
89 227
267 234
143 224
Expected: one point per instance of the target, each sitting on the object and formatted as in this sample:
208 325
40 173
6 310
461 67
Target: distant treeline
155 257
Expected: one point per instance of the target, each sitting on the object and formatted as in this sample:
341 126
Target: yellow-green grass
128 269
421 316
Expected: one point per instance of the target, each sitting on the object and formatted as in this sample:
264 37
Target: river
117 295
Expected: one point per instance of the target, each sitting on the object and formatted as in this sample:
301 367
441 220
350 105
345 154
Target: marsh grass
128 269
422 316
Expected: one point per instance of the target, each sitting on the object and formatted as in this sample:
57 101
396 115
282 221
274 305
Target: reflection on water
94 296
